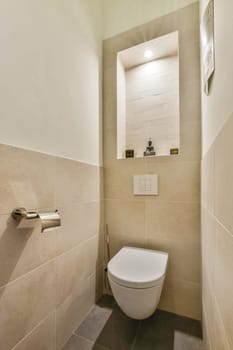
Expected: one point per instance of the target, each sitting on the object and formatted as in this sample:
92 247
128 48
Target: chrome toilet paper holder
49 220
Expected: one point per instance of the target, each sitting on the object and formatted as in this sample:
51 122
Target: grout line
80 245
27 273
56 298
8 213
145 223
221 320
223 227
85 279
82 337
135 338
32 330
150 200
94 200
73 332
97 164
211 146
53 259
90 341
218 221
207 330
85 317
98 267
217 311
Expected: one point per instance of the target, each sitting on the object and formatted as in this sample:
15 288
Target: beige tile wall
171 221
48 282
217 241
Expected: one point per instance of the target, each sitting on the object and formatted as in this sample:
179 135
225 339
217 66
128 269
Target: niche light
148 54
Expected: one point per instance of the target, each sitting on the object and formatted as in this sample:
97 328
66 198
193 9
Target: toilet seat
138 268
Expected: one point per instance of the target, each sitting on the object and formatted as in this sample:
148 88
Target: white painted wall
50 69
217 107
121 15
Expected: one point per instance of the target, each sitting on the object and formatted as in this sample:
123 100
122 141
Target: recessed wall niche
148 97
171 221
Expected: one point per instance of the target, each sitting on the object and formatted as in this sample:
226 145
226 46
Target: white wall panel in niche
151 88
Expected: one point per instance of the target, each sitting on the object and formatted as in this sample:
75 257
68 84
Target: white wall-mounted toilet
136 277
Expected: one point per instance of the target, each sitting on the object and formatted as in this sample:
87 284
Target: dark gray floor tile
94 323
107 301
152 342
188 326
108 328
158 331
99 347
119 332
159 325
78 343
183 342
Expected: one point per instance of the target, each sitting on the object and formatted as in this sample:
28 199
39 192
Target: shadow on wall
16 239
100 265
99 270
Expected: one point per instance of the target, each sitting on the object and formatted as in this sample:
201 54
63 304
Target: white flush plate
145 185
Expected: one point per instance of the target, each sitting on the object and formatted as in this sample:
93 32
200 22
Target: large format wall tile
208 187
223 176
209 243
217 241
214 333
75 266
190 140
178 181
190 106
209 314
43 274
184 261
73 310
109 113
25 302
182 297
70 273
41 338
110 151
76 224
26 179
118 178
175 221
76 182
126 217
22 250
219 337
223 284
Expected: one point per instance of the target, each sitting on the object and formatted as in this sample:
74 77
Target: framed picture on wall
207 42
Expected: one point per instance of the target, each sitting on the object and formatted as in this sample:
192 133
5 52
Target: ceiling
164 46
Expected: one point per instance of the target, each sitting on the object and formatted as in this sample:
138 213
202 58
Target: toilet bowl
136 277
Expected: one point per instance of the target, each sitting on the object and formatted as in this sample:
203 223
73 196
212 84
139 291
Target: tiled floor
107 328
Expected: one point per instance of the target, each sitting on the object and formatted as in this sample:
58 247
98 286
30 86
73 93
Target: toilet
136 277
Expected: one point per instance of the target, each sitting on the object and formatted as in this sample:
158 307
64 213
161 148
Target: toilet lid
138 268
